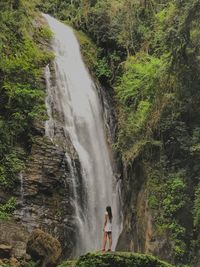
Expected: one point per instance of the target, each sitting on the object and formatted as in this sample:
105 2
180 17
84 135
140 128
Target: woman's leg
104 240
110 240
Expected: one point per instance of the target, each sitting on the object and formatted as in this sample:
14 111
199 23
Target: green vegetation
32 264
22 60
7 209
68 264
148 52
197 208
167 196
118 259
88 49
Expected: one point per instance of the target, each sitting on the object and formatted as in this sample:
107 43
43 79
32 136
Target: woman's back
108 227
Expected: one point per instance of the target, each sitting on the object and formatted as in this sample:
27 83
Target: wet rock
5 251
43 248
47 188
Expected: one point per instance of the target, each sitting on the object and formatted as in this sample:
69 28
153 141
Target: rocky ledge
117 259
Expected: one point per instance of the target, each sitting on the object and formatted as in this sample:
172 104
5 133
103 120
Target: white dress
108 227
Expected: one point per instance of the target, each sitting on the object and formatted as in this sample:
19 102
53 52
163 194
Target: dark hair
108 209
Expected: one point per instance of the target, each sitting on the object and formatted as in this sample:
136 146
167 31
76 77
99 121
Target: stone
44 248
14 234
27 257
14 262
24 264
6 262
5 251
116 259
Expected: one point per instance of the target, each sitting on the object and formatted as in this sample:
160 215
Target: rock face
14 262
43 193
15 235
43 248
119 259
45 190
139 233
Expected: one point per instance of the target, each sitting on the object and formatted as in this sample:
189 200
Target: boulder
5 251
116 259
43 248
14 262
14 234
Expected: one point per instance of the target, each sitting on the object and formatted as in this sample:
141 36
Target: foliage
43 33
12 163
22 97
138 89
5 265
117 259
92 56
148 52
141 78
167 195
7 209
197 208
88 50
32 264
67 264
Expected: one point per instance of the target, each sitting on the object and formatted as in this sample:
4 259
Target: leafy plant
22 60
7 209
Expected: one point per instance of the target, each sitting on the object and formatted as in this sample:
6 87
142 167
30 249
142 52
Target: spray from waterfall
76 99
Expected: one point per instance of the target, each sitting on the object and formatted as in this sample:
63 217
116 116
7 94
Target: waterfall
49 124
76 99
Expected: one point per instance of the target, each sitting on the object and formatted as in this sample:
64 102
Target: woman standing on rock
107 228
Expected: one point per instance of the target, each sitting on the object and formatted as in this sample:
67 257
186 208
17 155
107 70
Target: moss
117 259
24 55
7 209
92 56
43 247
68 264
88 50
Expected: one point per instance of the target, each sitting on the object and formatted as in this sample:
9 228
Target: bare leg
104 240
110 240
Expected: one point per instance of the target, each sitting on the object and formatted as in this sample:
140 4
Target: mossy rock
68 264
88 50
118 259
43 248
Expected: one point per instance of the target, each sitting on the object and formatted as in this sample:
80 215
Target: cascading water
76 99
49 124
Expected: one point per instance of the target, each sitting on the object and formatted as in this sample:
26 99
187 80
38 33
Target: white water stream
76 99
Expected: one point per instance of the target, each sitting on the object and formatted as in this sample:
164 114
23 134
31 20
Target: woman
107 228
